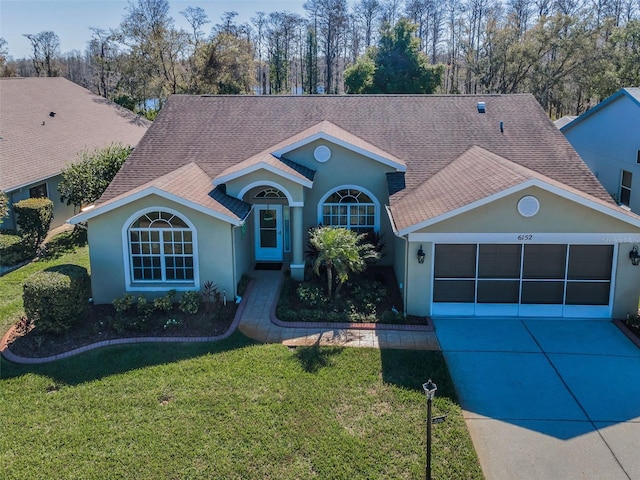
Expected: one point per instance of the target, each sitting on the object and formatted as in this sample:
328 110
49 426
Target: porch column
297 237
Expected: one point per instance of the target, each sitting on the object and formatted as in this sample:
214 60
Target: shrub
144 308
57 298
165 304
312 294
34 217
190 302
122 304
4 206
12 249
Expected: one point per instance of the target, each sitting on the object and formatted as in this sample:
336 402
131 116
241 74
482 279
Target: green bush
165 304
312 294
190 302
12 249
34 217
57 298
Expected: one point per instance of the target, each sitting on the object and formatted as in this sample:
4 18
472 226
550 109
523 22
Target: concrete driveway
547 398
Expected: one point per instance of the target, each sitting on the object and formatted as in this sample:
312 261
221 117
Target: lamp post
430 390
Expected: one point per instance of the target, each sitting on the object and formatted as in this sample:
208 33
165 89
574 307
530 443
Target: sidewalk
260 323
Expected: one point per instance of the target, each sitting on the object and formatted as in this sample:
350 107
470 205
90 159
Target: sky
71 19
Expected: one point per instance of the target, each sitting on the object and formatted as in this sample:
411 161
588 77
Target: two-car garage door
522 280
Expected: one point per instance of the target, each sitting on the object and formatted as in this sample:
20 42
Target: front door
268 227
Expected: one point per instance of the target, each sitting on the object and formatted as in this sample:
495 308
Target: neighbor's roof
632 93
424 132
35 146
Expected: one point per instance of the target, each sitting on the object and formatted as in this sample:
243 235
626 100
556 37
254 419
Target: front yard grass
232 409
69 247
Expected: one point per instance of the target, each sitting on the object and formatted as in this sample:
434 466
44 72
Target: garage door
523 280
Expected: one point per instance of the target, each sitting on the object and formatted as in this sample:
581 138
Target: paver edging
10 356
628 333
346 326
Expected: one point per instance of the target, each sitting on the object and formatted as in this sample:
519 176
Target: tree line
569 53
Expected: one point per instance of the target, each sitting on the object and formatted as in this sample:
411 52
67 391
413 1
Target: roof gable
325 130
188 185
476 178
632 94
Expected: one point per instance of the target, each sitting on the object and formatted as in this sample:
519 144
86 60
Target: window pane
544 261
499 261
268 239
455 261
267 219
454 291
588 293
590 262
543 293
497 291
625 196
626 179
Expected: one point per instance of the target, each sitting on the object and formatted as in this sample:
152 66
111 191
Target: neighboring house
484 206
45 123
561 122
607 137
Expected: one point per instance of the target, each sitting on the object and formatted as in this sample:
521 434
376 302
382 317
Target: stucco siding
627 279
557 215
345 168
214 250
419 281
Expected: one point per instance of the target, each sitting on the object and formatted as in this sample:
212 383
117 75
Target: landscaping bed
370 297
103 323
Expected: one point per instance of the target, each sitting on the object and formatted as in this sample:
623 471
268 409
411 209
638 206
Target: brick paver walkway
258 321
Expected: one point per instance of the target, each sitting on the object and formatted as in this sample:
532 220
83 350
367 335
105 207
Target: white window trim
624 187
155 286
376 203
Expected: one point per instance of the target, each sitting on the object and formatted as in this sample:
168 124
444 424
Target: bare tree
46 49
367 12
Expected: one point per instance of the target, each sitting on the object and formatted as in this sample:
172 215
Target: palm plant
342 251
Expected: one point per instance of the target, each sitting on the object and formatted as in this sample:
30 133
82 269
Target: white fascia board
31 182
262 166
99 210
391 221
524 237
323 136
610 211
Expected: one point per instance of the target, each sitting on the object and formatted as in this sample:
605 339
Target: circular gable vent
528 206
322 153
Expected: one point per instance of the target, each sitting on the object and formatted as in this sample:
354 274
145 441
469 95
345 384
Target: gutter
406 260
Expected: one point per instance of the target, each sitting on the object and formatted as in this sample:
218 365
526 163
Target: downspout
406 262
234 260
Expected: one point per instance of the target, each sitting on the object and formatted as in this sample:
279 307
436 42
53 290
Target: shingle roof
473 176
35 146
191 184
424 132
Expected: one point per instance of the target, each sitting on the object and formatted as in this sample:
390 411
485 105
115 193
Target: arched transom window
161 248
349 208
270 193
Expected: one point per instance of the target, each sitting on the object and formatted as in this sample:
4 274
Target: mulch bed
28 342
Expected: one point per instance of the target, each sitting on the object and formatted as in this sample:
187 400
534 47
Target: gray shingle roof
36 146
424 132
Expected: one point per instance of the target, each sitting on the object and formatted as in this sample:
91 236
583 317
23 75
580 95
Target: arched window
350 208
161 248
270 193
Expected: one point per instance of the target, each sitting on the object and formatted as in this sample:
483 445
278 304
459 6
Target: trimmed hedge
57 298
12 249
34 217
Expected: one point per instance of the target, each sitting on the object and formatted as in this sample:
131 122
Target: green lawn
232 409
65 248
